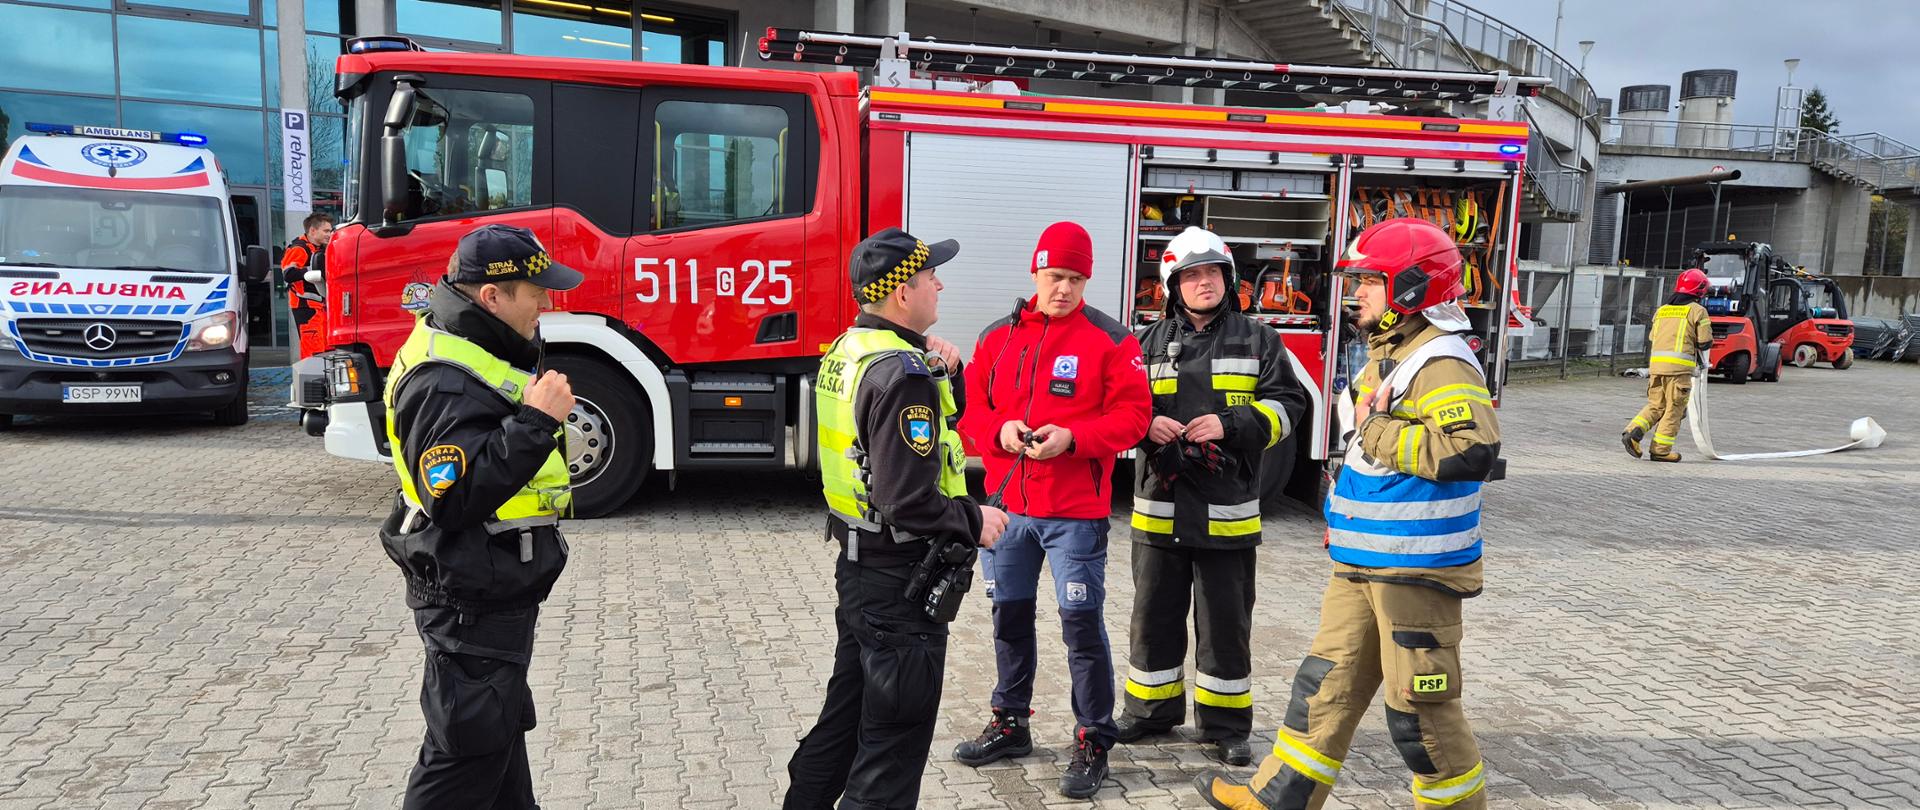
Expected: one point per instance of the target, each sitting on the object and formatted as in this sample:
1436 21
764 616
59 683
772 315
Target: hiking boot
1659 453
1223 793
1132 730
1006 735
1235 751
1631 439
1087 771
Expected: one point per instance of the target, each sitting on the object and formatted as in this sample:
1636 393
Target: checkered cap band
538 263
884 285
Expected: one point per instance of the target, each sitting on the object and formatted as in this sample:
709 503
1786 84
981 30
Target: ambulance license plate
100 393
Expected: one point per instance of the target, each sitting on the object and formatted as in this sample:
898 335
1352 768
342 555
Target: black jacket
906 485
449 558
1230 336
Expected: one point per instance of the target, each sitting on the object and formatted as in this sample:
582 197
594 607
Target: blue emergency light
118 134
1510 148
367 44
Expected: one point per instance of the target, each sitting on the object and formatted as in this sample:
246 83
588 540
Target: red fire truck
713 209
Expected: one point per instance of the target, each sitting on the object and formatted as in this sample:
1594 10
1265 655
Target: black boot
1235 751
1631 440
1087 771
1006 735
1133 730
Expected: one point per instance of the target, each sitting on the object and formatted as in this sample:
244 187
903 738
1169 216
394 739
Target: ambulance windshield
103 229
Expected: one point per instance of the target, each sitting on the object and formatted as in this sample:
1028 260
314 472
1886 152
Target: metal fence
1600 316
1416 35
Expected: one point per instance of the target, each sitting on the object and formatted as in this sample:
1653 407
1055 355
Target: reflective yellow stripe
1662 438
1273 422
1144 692
1244 700
1435 407
1451 791
1149 523
1223 528
1166 386
1308 762
1234 382
1642 422
1410 447
1453 392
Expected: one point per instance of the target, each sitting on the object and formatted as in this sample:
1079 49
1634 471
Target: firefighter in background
1403 529
303 297
893 472
1056 391
1679 339
1223 394
475 431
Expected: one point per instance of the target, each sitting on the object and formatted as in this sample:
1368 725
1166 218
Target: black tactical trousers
871 740
1218 585
478 709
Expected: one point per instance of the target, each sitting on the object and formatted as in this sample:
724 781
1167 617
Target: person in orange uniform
303 297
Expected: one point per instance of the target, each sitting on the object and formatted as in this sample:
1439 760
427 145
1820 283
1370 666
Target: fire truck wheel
232 414
608 439
1737 370
1805 355
1845 360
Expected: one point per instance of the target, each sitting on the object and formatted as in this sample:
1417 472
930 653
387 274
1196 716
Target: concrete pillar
371 17
834 15
1911 267
883 17
293 86
1852 205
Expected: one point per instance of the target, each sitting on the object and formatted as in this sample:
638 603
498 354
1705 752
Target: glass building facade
213 67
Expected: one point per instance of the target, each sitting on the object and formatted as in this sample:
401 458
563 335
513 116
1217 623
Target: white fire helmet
1193 247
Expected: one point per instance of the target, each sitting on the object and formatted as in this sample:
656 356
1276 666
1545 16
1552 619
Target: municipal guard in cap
474 428
892 470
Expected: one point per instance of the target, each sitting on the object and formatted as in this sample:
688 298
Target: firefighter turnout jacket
483 482
892 467
1681 332
1237 368
1406 507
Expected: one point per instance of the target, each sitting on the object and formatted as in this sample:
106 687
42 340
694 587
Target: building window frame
134 7
729 20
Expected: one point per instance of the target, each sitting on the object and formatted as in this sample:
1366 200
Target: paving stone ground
201 617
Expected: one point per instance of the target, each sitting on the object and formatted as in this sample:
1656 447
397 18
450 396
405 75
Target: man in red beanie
1056 390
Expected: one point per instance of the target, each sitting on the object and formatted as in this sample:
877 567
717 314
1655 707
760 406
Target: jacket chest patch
1066 367
1060 388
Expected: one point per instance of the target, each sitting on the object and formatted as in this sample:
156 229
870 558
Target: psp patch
916 427
440 466
1429 684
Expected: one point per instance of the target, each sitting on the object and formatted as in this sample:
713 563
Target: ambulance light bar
366 44
1004 61
118 134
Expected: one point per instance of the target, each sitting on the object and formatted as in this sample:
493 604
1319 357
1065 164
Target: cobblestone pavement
200 617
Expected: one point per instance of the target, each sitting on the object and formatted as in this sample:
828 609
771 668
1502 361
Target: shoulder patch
913 366
440 466
916 428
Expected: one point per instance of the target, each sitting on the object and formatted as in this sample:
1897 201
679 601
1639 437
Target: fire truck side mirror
393 151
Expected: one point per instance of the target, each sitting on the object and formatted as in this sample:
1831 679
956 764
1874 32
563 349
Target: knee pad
1013 621
1082 629
1404 728
1306 684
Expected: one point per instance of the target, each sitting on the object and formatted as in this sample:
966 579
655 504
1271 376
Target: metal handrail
1563 74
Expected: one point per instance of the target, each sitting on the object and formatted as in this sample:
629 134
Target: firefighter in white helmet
1224 394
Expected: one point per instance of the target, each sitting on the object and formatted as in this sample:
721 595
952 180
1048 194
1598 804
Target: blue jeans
1077 552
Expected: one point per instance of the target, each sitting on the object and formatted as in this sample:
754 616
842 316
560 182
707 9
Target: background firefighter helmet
1193 247
1692 282
1419 260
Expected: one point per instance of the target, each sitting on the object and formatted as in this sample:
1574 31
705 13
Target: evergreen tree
1814 113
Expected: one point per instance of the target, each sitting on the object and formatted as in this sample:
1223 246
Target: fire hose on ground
1866 433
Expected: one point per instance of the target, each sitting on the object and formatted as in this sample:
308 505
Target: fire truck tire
1845 360
6 421
1737 369
609 437
232 414
1805 355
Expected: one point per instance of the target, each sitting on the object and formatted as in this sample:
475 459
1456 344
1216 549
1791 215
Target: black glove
1206 455
1168 461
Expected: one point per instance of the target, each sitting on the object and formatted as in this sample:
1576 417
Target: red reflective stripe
46 175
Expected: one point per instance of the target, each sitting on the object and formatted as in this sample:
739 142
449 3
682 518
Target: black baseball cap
886 260
495 253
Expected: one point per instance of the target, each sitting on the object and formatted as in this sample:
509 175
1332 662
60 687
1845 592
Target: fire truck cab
713 210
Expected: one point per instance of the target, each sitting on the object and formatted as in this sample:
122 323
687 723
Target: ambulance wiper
29 264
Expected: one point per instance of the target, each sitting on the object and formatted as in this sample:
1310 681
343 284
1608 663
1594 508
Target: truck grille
100 339
1837 329
1721 330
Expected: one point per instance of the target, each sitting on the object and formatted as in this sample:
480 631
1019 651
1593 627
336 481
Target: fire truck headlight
212 332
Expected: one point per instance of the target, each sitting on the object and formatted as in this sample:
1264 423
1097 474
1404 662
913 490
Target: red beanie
1065 245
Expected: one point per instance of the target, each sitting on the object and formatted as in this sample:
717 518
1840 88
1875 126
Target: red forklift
1764 311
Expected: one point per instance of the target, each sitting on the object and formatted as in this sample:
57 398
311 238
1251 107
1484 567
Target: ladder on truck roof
895 57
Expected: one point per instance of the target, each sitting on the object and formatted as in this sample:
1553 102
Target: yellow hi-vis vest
843 468
540 501
1673 343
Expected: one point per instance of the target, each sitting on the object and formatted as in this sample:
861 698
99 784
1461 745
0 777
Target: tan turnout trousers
1667 396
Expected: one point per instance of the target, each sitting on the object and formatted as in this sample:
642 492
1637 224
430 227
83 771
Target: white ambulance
121 276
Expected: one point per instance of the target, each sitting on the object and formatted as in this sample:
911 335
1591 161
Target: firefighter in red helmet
1678 343
1403 529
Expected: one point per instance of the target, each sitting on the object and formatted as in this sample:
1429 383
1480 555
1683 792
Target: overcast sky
1864 54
